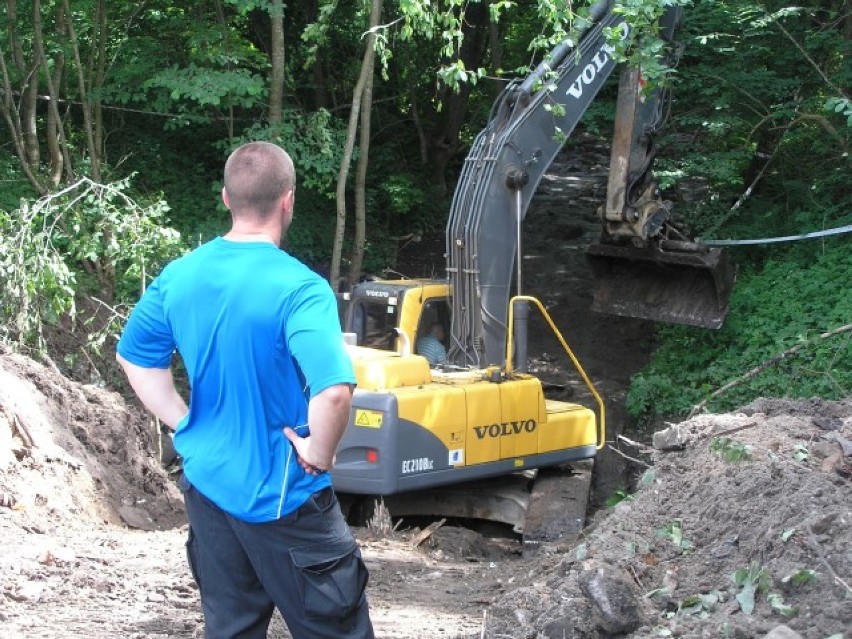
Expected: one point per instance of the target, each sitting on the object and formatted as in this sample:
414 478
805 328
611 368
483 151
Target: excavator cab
393 315
690 287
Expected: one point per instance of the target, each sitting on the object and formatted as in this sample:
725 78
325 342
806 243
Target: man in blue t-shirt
271 388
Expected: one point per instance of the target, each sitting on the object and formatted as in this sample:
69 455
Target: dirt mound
70 451
751 509
88 546
744 526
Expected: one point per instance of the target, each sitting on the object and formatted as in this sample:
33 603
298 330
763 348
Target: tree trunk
418 124
99 75
223 24
320 89
82 89
29 74
445 137
13 122
357 93
496 43
53 130
276 81
319 81
363 161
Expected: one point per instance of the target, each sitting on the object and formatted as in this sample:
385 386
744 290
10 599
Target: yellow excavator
472 418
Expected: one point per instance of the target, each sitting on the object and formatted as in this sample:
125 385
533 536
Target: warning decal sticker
368 418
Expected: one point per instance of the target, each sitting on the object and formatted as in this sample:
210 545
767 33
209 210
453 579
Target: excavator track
547 507
502 499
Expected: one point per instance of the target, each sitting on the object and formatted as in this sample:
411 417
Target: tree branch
629 458
827 80
763 366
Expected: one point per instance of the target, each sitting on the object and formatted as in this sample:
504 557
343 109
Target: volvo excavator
465 436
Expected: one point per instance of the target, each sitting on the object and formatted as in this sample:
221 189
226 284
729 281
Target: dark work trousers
307 564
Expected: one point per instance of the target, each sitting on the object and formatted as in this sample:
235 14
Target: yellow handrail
509 351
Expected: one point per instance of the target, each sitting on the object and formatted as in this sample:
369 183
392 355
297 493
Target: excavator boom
644 265
529 124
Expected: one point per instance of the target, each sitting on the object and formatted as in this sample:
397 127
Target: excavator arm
529 123
645 265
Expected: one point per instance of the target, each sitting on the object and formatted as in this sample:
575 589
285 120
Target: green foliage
443 22
729 450
750 581
643 48
700 605
801 454
191 64
314 141
15 186
776 602
674 533
787 534
37 284
184 168
201 88
752 91
800 577
617 497
404 194
119 240
87 237
792 299
312 231
842 106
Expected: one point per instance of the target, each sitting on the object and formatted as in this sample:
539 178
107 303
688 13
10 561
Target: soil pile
91 535
77 450
76 469
743 525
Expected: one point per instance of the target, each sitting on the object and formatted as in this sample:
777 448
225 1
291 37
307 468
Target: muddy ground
92 526
76 469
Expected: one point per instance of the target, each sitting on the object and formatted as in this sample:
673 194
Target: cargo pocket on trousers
332 578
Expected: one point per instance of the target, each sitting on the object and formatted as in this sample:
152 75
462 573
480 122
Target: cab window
373 322
434 327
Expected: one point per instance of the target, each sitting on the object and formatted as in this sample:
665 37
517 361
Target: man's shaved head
256 176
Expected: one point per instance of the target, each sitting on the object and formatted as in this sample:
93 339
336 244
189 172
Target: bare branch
795 42
767 364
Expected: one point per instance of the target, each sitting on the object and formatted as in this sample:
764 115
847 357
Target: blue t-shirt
259 335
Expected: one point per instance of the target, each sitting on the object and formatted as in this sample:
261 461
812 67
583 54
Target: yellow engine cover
495 421
377 370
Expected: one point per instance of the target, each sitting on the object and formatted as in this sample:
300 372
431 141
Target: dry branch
638 445
731 431
763 366
427 532
629 458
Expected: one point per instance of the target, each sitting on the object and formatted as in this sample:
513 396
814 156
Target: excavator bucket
677 287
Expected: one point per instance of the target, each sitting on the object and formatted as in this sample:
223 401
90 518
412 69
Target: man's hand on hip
302 446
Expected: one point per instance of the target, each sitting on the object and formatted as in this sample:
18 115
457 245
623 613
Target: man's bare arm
328 416
155 388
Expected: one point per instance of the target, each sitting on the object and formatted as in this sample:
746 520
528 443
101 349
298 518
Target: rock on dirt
742 533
